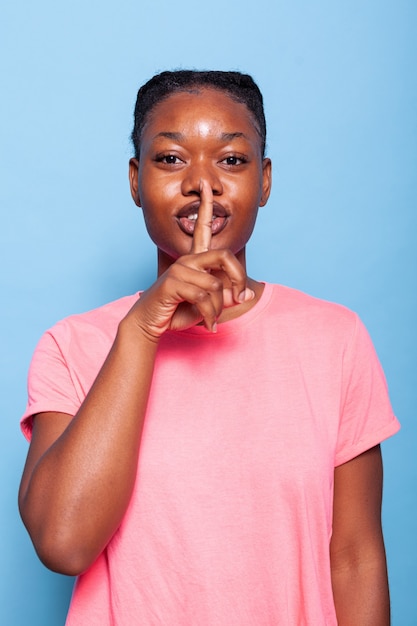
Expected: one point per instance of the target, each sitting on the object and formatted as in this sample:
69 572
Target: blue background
339 83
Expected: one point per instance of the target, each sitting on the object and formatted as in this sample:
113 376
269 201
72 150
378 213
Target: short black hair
240 87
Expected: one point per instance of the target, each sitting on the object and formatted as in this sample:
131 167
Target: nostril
191 184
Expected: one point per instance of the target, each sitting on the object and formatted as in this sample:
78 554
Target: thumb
245 296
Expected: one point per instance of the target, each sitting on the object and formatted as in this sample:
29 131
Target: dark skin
196 148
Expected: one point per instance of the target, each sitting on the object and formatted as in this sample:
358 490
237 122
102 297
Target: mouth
187 218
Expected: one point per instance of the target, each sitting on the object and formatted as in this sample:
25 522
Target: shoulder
83 336
101 320
68 357
304 311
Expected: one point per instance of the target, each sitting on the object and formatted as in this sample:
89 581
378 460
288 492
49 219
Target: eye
168 159
233 160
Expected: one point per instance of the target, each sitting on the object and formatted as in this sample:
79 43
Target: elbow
60 549
63 556
62 559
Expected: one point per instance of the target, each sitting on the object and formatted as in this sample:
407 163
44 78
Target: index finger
202 230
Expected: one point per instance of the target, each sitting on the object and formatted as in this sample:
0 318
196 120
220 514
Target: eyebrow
231 136
180 137
167 135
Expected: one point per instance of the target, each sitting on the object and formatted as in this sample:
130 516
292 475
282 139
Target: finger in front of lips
202 231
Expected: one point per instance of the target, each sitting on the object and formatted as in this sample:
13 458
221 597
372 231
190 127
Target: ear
266 181
134 181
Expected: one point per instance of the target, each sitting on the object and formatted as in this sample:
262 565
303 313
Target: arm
358 564
80 471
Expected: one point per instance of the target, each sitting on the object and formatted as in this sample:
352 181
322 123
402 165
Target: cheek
157 196
247 198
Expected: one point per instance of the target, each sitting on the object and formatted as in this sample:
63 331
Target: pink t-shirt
231 515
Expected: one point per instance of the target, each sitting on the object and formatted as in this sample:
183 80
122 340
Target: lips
187 218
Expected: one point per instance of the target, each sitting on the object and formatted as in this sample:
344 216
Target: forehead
202 108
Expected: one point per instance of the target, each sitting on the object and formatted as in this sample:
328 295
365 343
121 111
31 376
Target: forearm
361 593
79 490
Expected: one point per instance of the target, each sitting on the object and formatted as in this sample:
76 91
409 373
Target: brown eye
171 159
168 159
234 160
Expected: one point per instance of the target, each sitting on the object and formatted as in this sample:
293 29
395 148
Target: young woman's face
191 137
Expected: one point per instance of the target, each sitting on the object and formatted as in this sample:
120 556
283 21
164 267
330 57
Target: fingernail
214 328
246 295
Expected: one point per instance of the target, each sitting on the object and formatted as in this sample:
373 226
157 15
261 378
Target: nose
193 176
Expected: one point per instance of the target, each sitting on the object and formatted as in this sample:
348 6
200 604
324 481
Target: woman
208 453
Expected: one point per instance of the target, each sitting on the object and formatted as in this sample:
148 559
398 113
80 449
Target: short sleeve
366 415
50 387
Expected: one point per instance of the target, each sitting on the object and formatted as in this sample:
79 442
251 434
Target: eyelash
241 160
163 158
175 160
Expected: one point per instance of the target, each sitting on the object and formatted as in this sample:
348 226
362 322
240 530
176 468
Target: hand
189 291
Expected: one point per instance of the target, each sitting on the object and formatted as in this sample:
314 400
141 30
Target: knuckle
201 295
228 261
225 254
216 284
176 267
169 282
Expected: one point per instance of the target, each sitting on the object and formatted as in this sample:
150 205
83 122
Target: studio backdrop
339 84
